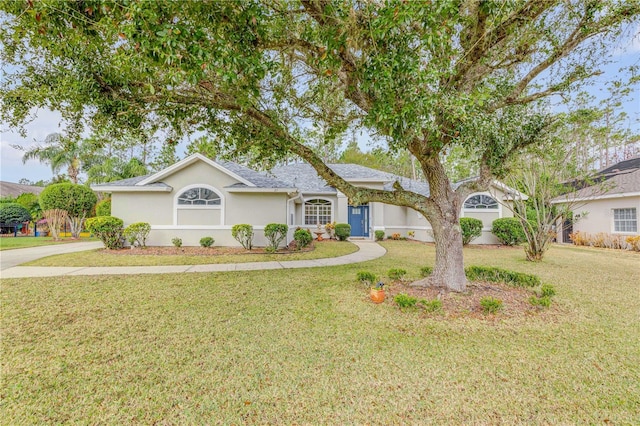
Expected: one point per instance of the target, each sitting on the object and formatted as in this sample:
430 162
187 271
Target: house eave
131 188
596 197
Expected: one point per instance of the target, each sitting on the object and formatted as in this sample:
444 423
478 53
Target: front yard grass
308 347
7 243
105 258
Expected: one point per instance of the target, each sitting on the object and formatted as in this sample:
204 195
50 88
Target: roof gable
187 162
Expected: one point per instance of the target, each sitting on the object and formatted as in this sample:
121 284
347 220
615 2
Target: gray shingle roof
10 189
305 178
259 179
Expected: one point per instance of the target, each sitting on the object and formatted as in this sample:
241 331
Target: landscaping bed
198 251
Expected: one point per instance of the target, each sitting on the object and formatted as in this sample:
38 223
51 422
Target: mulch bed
515 300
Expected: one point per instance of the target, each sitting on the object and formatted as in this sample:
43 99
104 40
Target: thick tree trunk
449 268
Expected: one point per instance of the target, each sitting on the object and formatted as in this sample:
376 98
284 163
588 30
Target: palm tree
114 168
59 151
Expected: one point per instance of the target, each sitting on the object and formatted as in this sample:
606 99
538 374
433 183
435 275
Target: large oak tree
426 76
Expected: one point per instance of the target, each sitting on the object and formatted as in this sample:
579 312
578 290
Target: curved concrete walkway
368 250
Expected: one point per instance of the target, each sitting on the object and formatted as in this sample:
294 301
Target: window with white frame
625 220
198 197
317 212
481 201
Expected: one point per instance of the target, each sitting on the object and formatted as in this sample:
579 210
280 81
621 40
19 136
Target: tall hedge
13 213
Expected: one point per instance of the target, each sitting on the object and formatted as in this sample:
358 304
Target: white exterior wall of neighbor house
599 217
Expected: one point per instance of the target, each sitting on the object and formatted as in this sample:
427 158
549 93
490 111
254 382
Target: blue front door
359 221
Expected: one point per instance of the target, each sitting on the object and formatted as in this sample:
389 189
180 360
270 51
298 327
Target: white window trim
333 209
499 209
177 206
613 222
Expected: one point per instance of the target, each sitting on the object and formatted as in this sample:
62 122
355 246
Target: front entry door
359 220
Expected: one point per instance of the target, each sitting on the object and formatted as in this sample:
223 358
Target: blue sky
624 53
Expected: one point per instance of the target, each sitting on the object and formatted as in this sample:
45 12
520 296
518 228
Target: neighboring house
14 190
199 197
610 205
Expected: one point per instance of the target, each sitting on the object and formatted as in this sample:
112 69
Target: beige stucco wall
599 214
155 208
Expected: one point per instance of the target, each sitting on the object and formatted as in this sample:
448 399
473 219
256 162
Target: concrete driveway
11 258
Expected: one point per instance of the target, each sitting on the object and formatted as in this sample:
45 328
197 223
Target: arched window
481 201
317 212
198 197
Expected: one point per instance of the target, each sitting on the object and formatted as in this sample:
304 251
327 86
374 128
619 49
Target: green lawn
105 258
7 243
308 347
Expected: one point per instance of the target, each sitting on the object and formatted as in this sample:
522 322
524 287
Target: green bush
434 305
30 202
379 235
207 241
490 305
14 213
137 233
275 233
471 229
405 301
544 301
103 208
243 233
425 271
491 274
547 290
396 273
343 231
509 231
366 277
108 229
302 238
177 242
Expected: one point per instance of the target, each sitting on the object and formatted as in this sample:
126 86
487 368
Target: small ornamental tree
275 233
471 229
55 219
243 233
14 213
77 200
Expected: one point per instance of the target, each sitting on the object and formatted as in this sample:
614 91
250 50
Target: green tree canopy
424 76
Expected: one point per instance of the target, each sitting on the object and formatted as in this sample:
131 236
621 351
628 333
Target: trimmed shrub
434 305
396 273
405 301
137 233
177 242
379 235
425 271
103 208
491 274
302 237
243 233
490 305
509 231
471 229
366 277
14 213
108 229
77 200
206 241
275 233
343 231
